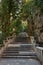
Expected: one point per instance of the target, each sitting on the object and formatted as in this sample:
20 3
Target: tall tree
8 7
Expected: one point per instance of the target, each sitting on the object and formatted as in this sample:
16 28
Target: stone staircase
20 51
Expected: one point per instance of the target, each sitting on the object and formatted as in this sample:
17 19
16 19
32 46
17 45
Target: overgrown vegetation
12 12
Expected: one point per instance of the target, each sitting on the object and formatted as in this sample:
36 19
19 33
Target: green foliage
17 25
24 27
28 9
39 4
31 7
8 7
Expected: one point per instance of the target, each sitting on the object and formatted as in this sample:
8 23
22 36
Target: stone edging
5 45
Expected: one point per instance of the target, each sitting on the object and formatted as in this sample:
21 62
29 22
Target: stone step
22 48
20 54
23 57
21 51
15 42
19 39
9 51
17 55
18 44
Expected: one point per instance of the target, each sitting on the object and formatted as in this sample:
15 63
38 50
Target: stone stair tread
10 51
22 51
20 54
19 49
26 52
14 51
20 45
19 57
